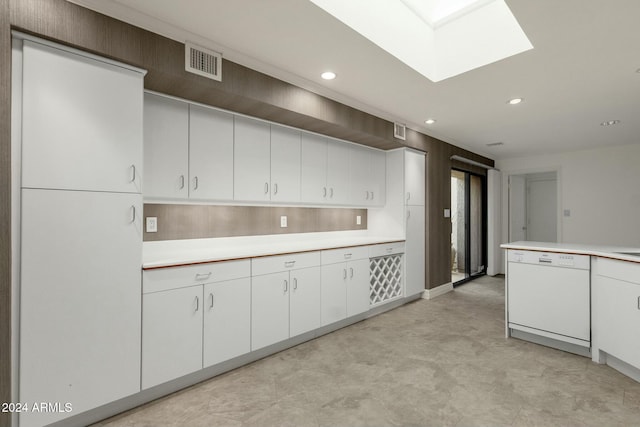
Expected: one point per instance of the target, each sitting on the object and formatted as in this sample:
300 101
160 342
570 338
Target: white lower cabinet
193 317
227 320
345 283
284 303
171 334
616 311
415 250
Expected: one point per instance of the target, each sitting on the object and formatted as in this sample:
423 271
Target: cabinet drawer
386 249
344 254
179 277
273 264
621 270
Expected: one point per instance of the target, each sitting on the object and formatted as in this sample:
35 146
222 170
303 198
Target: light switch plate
358 220
567 212
152 224
283 221
447 213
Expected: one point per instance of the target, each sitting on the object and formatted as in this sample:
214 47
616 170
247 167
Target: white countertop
183 252
577 248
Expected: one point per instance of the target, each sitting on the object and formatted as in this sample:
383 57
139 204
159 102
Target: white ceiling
582 70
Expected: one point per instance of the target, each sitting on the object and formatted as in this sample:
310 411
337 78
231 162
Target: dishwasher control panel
582 262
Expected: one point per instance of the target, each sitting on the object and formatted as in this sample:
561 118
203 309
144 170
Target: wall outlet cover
358 219
152 224
447 213
283 221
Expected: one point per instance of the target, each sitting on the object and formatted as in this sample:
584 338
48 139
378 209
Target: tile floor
443 362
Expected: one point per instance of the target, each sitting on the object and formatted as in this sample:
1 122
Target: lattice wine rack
385 279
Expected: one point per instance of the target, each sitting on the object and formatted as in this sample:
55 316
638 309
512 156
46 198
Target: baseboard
437 291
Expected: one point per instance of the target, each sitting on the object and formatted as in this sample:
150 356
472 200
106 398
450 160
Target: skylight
437 38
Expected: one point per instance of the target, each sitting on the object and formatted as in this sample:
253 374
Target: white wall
601 188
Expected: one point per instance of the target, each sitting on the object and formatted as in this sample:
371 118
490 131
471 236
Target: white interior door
542 210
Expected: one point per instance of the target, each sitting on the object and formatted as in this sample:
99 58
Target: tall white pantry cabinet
80 228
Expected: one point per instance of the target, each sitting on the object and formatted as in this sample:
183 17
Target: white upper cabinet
285 164
252 158
210 154
367 176
82 122
338 154
325 171
166 147
313 183
414 178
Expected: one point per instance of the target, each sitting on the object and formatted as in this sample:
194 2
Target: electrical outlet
152 224
358 220
283 221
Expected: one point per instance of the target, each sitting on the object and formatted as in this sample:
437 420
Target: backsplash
206 221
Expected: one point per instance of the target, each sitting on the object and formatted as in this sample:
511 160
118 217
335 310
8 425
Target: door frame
467 229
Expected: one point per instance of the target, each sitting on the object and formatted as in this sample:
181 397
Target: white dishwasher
548 299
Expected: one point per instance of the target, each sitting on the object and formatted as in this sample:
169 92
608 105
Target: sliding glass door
468 226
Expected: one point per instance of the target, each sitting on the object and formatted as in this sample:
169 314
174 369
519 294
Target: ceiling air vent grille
203 62
400 131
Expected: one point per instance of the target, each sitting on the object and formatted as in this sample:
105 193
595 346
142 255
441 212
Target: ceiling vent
400 131
203 62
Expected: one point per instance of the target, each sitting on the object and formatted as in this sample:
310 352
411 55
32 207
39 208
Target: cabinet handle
203 276
133 214
351 271
348 256
367 196
289 264
408 196
638 303
331 193
266 188
345 273
408 214
286 286
195 183
197 303
181 182
275 188
389 250
372 196
211 296
324 191
295 283
133 171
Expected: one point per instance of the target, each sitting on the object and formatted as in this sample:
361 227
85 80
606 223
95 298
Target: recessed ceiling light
430 121
328 75
515 101
610 123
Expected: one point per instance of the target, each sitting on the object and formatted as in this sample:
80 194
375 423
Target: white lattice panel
386 278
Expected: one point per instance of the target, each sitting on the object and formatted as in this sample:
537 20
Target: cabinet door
338 154
333 293
358 287
313 181
269 309
81 122
415 251
414 178
227 320
252 153
617 318
210 154
304 301
359 179
171 334
79 299
166 148
378 177
285 164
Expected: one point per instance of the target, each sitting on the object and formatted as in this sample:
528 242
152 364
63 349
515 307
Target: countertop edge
589 250
239 255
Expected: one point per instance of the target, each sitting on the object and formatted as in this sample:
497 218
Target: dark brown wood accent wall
5 209
242 90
